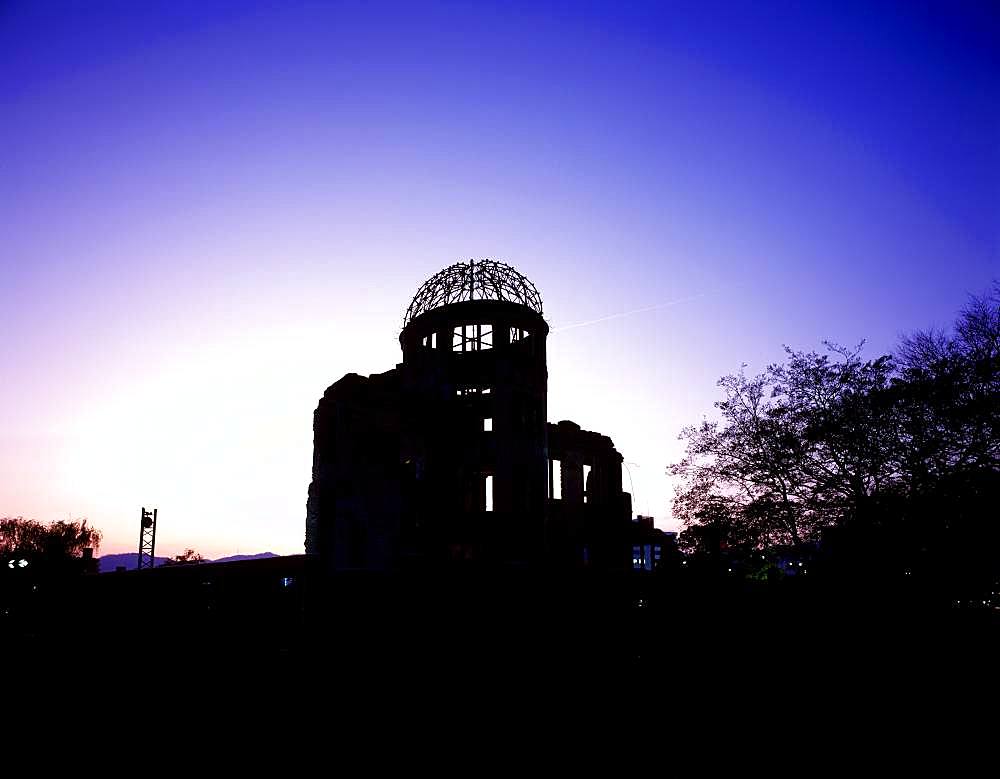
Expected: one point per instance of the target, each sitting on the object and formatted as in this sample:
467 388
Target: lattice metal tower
147 538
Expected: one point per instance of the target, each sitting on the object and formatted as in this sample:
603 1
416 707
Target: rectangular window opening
556 480
586 483
489 492
464 391
472 338
488 425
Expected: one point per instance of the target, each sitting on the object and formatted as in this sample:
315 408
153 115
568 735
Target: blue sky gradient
212 211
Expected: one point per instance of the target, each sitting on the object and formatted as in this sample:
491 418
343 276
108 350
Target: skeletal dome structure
474 280
476 306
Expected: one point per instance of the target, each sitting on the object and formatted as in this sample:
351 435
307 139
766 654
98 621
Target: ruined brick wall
354 500
589 523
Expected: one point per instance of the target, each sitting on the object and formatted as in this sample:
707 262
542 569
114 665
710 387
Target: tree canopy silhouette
797 448
54 545
897 456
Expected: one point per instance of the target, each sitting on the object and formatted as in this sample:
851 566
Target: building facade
448 458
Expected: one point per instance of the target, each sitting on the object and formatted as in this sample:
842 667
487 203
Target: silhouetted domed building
448 457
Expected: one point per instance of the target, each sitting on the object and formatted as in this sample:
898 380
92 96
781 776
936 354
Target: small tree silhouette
190 557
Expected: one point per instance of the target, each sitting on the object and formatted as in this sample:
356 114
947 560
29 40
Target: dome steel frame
474 280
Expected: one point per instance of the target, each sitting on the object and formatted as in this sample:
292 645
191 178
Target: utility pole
147 539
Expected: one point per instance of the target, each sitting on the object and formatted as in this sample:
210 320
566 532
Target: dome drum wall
442 331
476 373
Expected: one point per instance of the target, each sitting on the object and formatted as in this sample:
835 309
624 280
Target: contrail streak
629 313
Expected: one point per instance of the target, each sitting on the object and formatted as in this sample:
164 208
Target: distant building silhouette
448 458
652 548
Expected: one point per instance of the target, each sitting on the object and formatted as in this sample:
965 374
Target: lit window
488 425
461 391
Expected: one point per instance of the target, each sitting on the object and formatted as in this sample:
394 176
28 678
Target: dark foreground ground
282 625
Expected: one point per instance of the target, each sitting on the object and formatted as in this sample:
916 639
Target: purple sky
212 211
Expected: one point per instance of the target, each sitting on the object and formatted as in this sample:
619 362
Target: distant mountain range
129 560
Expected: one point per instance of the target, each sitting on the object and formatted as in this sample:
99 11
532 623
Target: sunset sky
212 211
